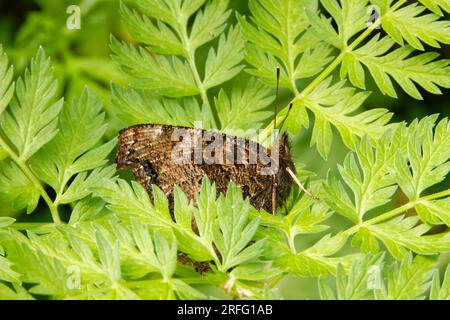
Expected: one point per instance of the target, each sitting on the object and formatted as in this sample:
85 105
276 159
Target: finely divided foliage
196 62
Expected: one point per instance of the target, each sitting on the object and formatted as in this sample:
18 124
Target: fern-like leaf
351 17
74 149
334 104
401 234
279 34
172 77
438 291
383 65
17 188
249 101
142 106
356 285
436 5
406 24
367 175
425 164
31 120
6 76
408 281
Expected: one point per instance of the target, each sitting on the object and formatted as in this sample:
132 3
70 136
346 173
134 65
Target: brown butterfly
170 156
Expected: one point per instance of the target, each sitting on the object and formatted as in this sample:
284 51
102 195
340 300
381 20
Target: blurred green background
81 57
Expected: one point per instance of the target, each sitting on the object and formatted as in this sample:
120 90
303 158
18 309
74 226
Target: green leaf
435 211
303 216
245 109
161 10
233 232
6 221
142 106
16 187
366 173
334 104
438 291
402 234
255 272
86 209
47 274
223 65
351 17
75 148
357 283
174 13
112 258
366 240
132 201
6 271
206 214
308 220
322 28
172 77
186 292
15 293
338 199
109 256
427 155
197 246
166 254
407 24
209 23
436 5
318 259
157 36
135 250
83 183
408 71
277 33
6 77
409 280
31 119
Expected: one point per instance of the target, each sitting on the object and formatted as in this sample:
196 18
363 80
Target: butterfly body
170 156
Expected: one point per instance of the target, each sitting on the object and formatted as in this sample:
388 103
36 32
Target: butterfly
170 156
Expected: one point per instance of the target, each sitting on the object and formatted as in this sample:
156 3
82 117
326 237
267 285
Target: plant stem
395 212
190 57
291 240
29 225
34 180
290 62
337 61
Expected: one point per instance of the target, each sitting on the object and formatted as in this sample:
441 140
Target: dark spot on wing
149 171
245 191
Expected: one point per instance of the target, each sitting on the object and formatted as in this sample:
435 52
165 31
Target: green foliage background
217 66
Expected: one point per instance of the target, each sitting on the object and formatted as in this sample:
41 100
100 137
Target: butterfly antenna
274 183
277 98
300 185
287 115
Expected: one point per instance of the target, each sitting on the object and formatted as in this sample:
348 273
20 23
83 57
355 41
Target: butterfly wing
169 155
147 150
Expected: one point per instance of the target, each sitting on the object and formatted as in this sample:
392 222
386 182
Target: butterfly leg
274 195
300 185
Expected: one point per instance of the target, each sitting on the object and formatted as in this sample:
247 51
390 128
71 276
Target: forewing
147 150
